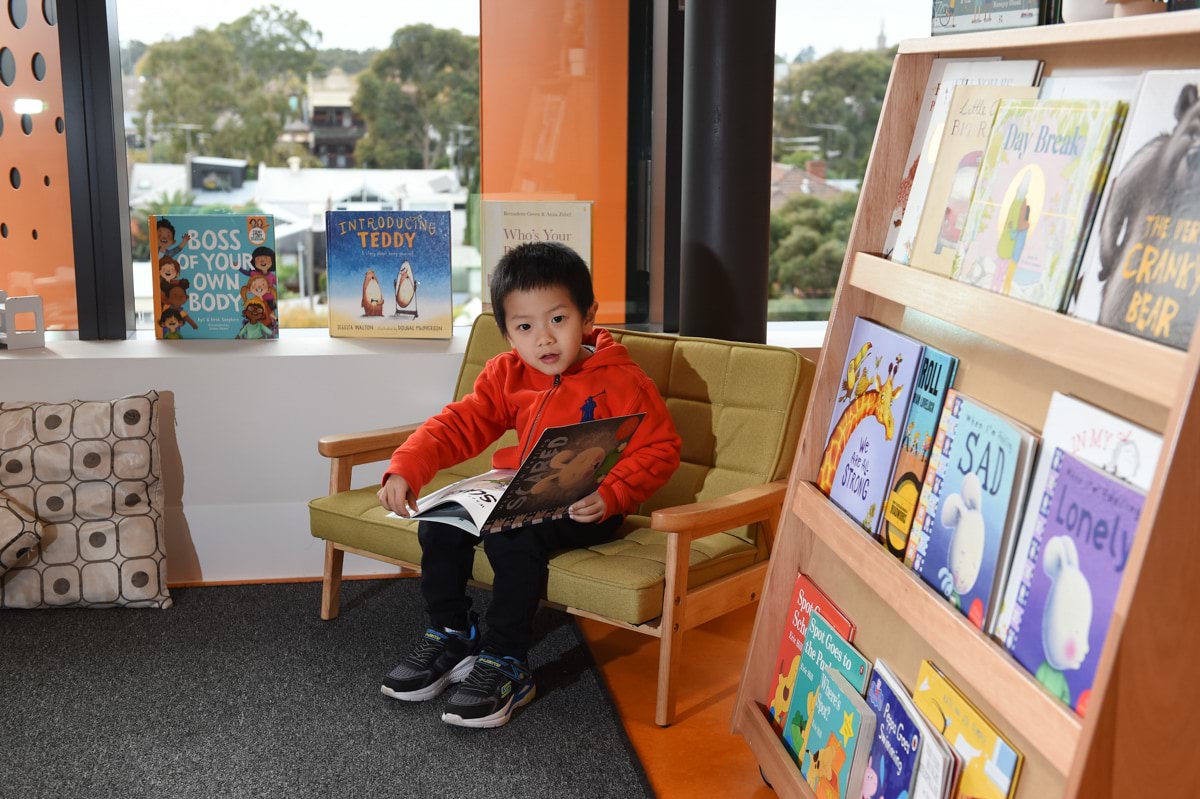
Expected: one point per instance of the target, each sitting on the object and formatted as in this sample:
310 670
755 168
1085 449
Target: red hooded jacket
510 394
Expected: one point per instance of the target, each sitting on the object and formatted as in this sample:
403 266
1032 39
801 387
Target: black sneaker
492 691
438 660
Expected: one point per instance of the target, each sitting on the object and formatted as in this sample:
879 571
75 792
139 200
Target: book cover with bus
388 274
215 275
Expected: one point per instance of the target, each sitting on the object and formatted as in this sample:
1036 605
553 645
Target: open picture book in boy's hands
565 465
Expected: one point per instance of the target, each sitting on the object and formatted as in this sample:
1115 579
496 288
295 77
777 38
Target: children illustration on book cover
1069 582
865 428
389 274
215 276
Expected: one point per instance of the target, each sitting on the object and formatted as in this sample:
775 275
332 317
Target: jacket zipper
533 427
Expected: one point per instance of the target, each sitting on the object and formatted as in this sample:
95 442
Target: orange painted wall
36 251
535 55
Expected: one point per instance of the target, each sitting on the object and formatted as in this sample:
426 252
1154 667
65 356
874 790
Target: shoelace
484 677
425 653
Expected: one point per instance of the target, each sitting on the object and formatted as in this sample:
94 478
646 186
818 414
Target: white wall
241 462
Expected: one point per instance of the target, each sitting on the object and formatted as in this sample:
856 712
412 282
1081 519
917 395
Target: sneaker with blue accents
491 692
440 658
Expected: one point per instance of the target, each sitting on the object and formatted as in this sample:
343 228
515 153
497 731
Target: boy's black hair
264 251
167 224
539 265
169 313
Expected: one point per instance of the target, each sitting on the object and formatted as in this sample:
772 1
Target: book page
473 498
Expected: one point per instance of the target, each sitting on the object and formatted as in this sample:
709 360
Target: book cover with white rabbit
973 487
1085 529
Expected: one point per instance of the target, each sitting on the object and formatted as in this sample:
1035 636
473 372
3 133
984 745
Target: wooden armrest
699 519
388 438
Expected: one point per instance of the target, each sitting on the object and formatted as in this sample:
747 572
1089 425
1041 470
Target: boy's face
165 239
546 328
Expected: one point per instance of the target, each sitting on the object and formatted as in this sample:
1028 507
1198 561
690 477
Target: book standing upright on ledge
388 274
565 465
506 224
215 275
806 599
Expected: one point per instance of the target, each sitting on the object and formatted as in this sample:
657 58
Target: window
831 71
332 103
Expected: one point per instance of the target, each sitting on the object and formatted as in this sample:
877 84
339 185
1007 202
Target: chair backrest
738 407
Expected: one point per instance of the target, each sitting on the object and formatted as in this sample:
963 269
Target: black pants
520 559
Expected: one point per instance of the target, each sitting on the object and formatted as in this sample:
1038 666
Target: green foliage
352 62
838 96
808 244
179 202
799 158
225 91
419 95
131 53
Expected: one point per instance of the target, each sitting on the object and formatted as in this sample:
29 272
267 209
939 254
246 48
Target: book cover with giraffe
865 428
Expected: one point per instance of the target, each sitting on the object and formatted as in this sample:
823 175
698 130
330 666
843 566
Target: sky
825 25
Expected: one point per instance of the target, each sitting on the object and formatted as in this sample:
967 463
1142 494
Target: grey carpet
244 692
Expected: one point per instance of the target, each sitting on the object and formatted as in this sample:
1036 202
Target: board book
215 275
934 377
938 765
1118 446
388 274
967 513
865 427
1068 583
806 598
565 465
843 726
823 646
1038 184
991 764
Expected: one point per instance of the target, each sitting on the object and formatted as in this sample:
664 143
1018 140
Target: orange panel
554 84
36 251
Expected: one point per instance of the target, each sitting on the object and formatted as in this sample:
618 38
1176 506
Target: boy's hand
589 509
397 496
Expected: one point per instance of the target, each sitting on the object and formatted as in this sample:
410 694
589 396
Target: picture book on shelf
896 749
215 276
506 224
934 377
991 764
388 274
937 765
967 512
1118 446
1086 521
865 428
565 465
835 763
949 17
806 598
1041 173
970 112
823 646
1139 267
957 73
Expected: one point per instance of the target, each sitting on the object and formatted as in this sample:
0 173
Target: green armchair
695 550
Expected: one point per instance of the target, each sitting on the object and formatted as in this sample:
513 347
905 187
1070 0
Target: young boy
561 370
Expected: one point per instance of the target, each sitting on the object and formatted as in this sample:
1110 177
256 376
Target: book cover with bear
806 598
823 647
215 275
1139 269
388 274
974 489
1084 533
834 764
865 428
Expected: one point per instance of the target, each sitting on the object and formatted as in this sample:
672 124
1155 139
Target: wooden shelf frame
1107 355
991 673
1013 356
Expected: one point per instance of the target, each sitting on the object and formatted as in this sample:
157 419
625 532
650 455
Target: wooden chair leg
331 585
674 613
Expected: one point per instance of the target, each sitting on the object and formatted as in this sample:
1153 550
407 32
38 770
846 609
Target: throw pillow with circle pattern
20 533
89 470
